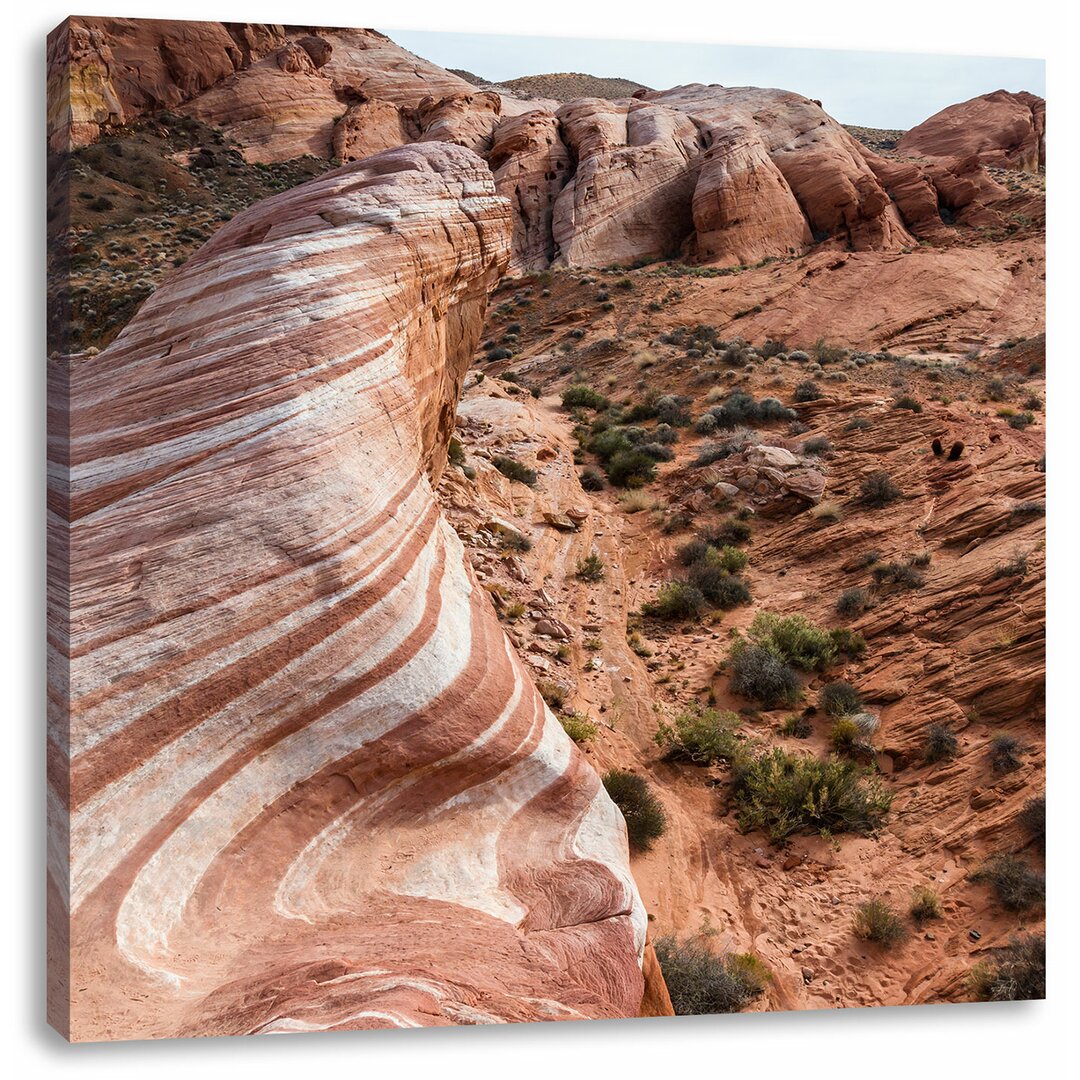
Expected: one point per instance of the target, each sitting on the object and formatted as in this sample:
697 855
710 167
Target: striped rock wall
299 778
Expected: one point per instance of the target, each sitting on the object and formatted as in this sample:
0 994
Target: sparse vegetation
643 811
794 639
676 600
877 922
781 793
701 982
514 470
700 735
580 396
578 726
878 490
590 568
853 601
1017 885
1004 753
552 692
941 743
840 699
759 674
925 904
1016 973
797 726
1033 820
807 391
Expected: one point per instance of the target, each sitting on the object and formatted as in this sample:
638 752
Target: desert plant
1016 973
941 743
797 726
1033 819
878 490
907 402
631 469
590 568
850 642
514 470
846 737
925 904
701 981
817 446
807 391
700 735
643 811
552 692
578 726
877 922
759 674
591 480
852 602
1018 885
1004 753
717 585
581 396
840 699
729 533
794 639
676 600
781 793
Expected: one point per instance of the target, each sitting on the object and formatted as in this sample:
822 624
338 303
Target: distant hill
880 140
561 86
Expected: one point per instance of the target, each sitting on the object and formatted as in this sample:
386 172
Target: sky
874 89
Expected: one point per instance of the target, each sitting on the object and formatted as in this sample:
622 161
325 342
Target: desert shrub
578 726
455 452
514 611
728 557
676 600
701 735
608 442
1017 566
643 811
826 511
1004 753
591 480
1018 885
848 641
741 408
878 489
729 533
794 639
840 699
905 574
1020 420
759 674
738 441
511 539
581 396
631 469
797 726
1016 973
824 353
717 585
857 423
700 981
846 737
782 793
941 743
706 424
853 602
807 391
1033 820
925 904
514 470
907 402
658 452
817 446
498 354
590 568
552 692
877 922
672 409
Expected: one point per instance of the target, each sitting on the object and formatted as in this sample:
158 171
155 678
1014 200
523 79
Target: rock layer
1001 128
299 779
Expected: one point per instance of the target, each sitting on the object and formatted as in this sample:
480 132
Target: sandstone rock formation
1001 128
299 779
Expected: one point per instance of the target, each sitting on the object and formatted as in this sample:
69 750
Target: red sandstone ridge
1001 128
299 778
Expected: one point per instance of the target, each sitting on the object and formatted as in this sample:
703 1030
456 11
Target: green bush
590 568
514 470
848 641
941 743
846 737
794 639
1017 972
701 982
782 793
644 813
578 726
631 469
700 735
1018 885
877 922
676 600
840 699
759 674
878 489
719 587
581 396
609 442
729 533
797 726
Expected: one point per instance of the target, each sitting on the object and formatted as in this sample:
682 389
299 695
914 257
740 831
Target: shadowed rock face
1001 128
310 783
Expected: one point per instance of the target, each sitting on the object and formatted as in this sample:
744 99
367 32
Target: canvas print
533 545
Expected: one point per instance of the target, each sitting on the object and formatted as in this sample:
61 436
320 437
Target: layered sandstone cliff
299 779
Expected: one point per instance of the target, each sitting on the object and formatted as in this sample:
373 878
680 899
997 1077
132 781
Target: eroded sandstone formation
299 778
1001 128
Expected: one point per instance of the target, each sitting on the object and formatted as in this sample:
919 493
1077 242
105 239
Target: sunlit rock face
299 777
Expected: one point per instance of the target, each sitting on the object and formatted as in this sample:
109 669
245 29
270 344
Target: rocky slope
310 786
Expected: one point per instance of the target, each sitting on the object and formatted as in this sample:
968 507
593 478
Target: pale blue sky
876 89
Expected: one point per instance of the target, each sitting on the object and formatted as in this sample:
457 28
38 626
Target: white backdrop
983 1042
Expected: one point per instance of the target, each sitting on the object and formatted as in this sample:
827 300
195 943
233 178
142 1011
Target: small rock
929 936
807 976
974 935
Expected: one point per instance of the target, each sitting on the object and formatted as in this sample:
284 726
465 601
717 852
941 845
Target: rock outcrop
1001 128
299 779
